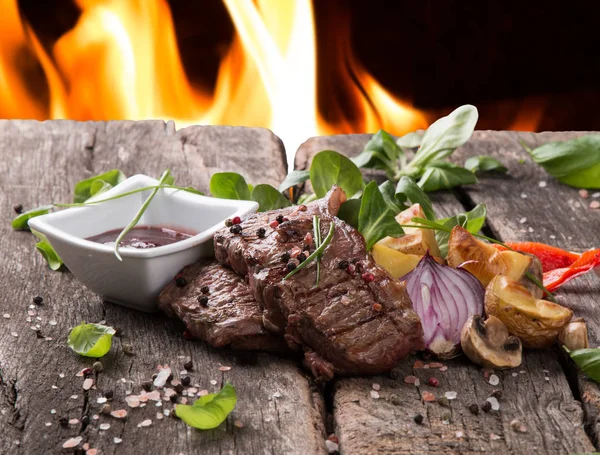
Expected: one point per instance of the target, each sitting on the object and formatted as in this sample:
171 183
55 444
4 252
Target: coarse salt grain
48 424
238 424
552 236
133 401
119 414
374 394
376 386
451 395
101 400
88 383
418 364
15 334
523 220
514 375
213 382
584 194
6 316
162 376
73 397
428 396
494 402
117 440
52 411
435 365
523 196
542 184
203 392
95 417
167 412
595 205
224 368
444 368
145 423
417 382
332 447
494 437
276 395
529 229
494 380
159 416
410 379
91 452
459 434
85 446
104 426
596 195
73 421
54 387
52 322
73 442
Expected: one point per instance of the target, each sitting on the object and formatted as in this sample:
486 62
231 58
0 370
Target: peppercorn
109 394
273 224
188 365
393 375
180 282
377 307
118 331
105 409
228 222
302 208
186 380
301 257
178 388
170 377
147 386
98 367
285 257
235 229
38 300
85 420
474 408
367 276
497 393
236 220
279 219
443 401
418 419
64 422
173 398
290 266
18 208
486 407
261 233
343 265
433 382
359 267
205 289
203 300
38 334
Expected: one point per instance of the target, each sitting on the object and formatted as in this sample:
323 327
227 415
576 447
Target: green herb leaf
443 175
410 140
484 163
575 162
472 221
375 219
91 340
444 136
43 246
83 189
588 360
269 198
394 202
381 152
20 222
294 178
209 411
315 255
330 168
349 212
384 142
408 189
229 185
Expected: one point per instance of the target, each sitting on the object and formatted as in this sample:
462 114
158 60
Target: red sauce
143 237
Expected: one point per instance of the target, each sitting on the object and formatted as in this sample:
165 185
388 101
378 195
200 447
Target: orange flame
121 61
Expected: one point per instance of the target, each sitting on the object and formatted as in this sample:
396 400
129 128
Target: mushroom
574 335
488 343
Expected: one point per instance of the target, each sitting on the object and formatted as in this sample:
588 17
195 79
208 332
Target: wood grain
385 425
40 163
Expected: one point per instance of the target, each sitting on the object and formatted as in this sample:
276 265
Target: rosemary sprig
428 224
140 212
315 254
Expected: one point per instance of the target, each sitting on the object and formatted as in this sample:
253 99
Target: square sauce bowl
136 281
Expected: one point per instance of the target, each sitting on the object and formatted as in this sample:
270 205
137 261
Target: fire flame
121 61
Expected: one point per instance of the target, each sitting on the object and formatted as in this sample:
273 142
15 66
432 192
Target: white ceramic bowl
136 281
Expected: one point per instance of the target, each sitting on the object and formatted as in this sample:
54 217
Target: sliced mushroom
487 343
574 335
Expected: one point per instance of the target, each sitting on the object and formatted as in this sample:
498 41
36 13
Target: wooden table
280 410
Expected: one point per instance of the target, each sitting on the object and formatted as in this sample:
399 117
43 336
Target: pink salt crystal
73 442
104 426
133 401
428 396
435 365
91 452
88 383
494 437
295 251
154 395
418 364
73 421
145 423
584 193
595 205
162 376
86 446
444 368
119 413
238 424
224 368
202 393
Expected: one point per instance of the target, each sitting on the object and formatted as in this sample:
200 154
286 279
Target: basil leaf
472 221
444 136
410 140
294 178
43 246
575 162
229 185
388 191
209 411
442 175
588 360
375 219
349 212
20 222
83 189
330 168
484 164
91 340
408 189
269 198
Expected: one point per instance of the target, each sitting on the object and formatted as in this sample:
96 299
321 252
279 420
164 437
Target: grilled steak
217 306
356 321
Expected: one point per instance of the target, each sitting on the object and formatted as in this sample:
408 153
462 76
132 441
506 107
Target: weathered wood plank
552 213
39 163
367 425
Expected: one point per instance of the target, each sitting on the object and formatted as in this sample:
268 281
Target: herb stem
317 235
140 212
315 254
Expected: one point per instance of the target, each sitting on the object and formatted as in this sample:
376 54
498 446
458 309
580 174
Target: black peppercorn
38 300
354 260
343 265
64 422
109 394
18 208
178 388
173 398
39 334
497 393
205 289
180 282
85 420
118 331
236 229
186 380
285 257
418 419
486 407
474 408
188 365
203 300
280 219
306 248
147 386
290 266
261 233
301 257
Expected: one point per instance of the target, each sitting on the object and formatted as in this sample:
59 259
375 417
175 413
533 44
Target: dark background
507 58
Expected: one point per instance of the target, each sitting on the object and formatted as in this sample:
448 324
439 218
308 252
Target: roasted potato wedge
483 260
415 240
397 264
536 322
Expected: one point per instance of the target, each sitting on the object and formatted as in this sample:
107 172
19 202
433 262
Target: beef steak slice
357 320
230 316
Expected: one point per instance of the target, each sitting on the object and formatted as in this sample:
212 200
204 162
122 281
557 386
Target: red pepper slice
586 262
551 257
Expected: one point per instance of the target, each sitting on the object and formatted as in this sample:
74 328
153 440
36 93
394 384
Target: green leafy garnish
407 189
375 219
484 163
381 152
329 168
91 340
20 222
575 162
472 221
294 178
588 360
410 140
229 185
440 175
43 246
315 255
269 198
98 184
209 411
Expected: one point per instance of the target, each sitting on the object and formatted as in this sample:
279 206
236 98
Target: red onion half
444 298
